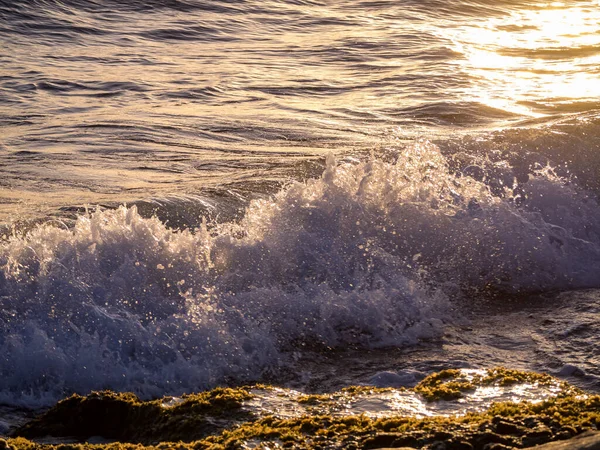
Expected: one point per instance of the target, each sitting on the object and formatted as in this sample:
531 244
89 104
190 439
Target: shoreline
221 418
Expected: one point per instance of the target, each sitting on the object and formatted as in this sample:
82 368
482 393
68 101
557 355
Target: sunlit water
433 165
111 102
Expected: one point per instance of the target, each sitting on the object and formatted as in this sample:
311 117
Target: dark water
348 175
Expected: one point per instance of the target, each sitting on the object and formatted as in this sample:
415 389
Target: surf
371 254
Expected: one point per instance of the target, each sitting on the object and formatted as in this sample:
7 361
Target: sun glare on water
533 61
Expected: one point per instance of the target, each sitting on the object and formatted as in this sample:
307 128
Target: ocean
311 194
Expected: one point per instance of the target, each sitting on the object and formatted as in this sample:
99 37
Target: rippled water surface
105 101
341 177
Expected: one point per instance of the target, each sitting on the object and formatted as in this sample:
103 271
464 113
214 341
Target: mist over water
300 177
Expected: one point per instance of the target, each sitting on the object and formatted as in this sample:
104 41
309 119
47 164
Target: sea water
318 194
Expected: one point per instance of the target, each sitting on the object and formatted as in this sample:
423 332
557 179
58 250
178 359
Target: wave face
371 254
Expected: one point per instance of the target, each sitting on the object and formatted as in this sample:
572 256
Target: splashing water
371 254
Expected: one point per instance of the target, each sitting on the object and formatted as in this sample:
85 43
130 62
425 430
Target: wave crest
370 254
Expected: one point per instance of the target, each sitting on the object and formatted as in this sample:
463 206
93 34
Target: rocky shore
222 419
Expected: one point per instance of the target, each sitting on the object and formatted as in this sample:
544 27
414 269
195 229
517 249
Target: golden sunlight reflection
533 61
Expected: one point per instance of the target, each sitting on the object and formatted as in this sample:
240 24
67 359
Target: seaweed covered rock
451 384
5 445
225 418
505 425
124 417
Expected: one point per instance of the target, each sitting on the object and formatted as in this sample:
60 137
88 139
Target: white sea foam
370 254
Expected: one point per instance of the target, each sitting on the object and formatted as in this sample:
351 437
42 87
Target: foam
370 254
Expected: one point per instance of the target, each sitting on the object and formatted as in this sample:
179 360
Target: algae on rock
124 417
218 419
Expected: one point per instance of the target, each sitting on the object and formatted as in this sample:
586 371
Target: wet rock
124 417
497 447
506 427
381 440
485 438
5 445
407 441
442 436
585 441
459 445
570 430
532 422
486 426
564 433
536 437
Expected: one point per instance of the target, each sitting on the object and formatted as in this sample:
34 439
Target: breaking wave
372 253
